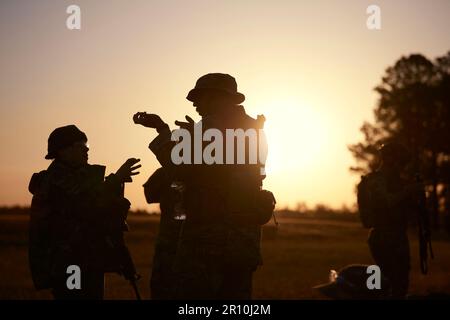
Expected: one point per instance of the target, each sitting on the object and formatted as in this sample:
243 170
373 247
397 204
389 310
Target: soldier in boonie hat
351 283
220 83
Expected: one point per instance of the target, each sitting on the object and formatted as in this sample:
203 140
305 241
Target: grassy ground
297 256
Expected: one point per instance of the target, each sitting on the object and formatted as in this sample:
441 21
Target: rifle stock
424 232
128 269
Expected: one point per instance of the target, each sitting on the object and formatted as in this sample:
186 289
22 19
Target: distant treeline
14 210
319 211
26 210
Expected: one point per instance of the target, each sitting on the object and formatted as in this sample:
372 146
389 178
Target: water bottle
178 188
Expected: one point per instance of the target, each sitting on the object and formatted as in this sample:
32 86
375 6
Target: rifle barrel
136 289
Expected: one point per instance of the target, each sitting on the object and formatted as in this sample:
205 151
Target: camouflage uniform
388 239
73 212
218 249
157 190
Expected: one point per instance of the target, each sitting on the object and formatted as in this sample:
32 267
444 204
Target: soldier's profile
387 202
224 205
77 217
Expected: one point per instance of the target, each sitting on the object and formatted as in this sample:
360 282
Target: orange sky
309 66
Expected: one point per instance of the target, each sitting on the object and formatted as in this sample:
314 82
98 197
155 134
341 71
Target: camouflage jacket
216 195
73 214
392 204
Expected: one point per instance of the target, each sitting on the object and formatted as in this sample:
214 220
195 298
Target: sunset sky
309 66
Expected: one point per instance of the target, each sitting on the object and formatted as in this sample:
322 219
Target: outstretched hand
186 125
148 120
127 170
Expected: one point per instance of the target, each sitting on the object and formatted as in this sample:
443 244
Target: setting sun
296 135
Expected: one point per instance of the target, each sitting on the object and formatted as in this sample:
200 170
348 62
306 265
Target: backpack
366 205
252 209
39 250
250 205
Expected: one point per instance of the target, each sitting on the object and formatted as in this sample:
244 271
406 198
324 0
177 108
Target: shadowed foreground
297 257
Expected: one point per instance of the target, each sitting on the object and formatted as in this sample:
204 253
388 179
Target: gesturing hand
186 125
127 170
148 120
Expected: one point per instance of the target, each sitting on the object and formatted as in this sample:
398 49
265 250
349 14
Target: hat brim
195 93
328 289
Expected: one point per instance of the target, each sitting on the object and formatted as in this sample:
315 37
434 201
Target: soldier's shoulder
37 180
96 170
245 120
372 175
73 180
372 178
58 174
96 167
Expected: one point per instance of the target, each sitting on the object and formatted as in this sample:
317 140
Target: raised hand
186 125
148 120
127 170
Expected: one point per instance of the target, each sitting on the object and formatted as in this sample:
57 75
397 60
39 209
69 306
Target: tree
413 108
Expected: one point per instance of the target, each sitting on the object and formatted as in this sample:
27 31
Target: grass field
297 256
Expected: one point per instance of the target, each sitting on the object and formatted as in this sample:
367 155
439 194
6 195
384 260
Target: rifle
424 231
423 216
128 268
121 252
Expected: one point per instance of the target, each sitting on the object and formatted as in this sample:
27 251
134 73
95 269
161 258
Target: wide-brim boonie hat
328 289
352 280
216 82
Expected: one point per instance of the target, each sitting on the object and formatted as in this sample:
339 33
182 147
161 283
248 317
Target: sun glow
296 134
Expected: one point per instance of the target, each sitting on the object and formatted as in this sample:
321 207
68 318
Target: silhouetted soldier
225 206
386 202
75 214
159 189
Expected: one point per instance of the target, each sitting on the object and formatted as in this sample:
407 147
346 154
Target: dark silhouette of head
214 92
68 144
394 156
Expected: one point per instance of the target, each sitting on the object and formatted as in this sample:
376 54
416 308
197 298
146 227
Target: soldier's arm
263 150
162 146
40 209
87 193
156 185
